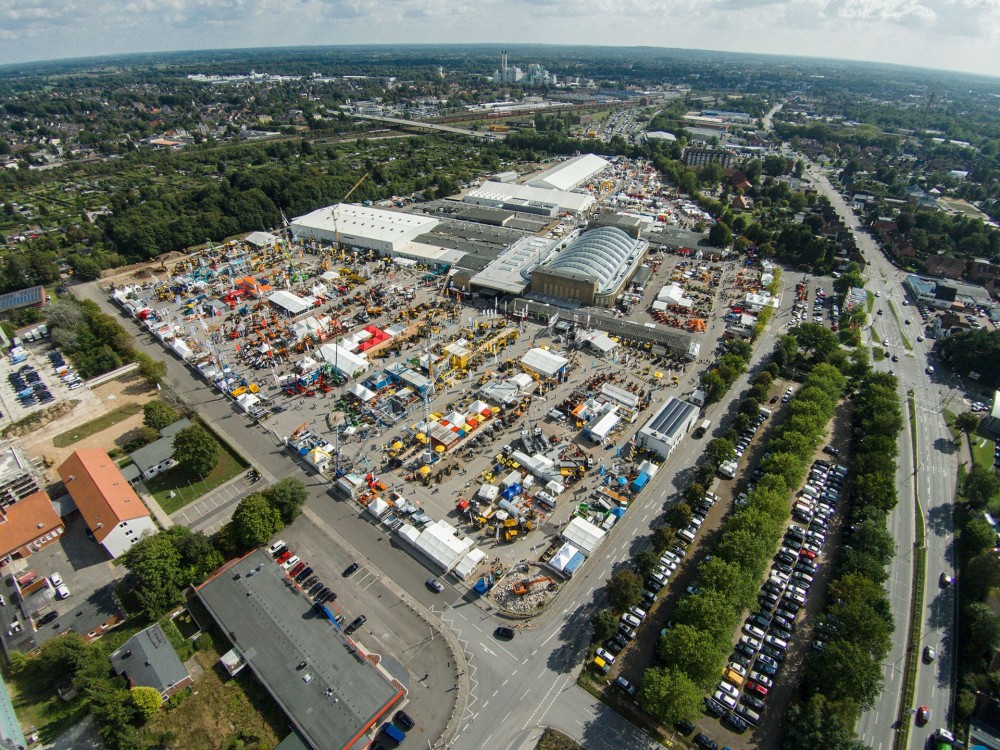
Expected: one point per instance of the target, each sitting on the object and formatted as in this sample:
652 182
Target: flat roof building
529 198
510 272
109 505
570 174
362 226
665 429
333 700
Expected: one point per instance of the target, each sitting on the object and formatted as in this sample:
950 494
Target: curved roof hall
602 253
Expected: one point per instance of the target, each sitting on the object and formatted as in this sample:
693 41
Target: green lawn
878 353
871 302
38 706
189 487
94 426
982 451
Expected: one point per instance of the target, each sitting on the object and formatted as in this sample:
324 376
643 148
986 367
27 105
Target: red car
284 556
923 715
807 553
299 567
757 688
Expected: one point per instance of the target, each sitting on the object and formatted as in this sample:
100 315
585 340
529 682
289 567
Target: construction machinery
522 588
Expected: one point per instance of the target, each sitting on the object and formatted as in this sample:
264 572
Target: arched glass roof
601 253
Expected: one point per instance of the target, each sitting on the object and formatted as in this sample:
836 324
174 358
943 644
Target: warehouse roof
510 194
271 627
545 363
571 173
669 419
605 254
364 221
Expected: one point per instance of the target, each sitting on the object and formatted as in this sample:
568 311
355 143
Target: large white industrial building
527 199
570 174
386 232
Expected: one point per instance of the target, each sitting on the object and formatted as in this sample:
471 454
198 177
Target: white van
686 534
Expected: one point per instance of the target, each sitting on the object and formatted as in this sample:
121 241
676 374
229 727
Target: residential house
946 266
109 505
158 456
148 660
28 525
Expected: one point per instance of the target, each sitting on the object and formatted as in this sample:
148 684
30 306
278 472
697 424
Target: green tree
982 573
669 695
288 495
624 589
255 521
980 486
981 634
147 701
694 653
967 422
645 561
825 674
663 537
196 450
155 564
158 415
720 235
816 723
719 450
152 370
680 514
977 537
604 623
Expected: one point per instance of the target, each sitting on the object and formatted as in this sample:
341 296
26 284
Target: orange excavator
523 587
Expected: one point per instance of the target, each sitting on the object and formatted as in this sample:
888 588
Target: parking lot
35 376
88 575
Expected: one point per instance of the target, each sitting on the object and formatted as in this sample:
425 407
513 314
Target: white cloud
960 34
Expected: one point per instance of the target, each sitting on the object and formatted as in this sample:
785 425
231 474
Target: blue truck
393 733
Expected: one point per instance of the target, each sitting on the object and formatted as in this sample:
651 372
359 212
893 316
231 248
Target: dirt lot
129 389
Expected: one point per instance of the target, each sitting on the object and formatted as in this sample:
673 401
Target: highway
931 488
430 126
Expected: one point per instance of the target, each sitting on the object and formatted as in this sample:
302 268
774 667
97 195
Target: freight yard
488 433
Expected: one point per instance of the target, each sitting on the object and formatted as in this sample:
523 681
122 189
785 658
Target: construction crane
336 231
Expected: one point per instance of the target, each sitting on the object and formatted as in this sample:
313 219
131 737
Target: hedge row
856 626
697 646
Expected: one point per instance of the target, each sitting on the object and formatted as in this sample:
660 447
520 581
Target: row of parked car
64 371
740 698
29 387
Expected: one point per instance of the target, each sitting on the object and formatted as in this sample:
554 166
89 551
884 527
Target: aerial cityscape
513 396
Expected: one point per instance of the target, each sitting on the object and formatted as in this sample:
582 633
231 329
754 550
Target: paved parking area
412 651
213 511
87 572
38 359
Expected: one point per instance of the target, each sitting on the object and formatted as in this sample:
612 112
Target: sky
941 34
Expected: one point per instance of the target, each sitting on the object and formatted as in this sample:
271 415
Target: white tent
456 418
545 363
329 275
378 507
649 468
318 457
469 563
290 303
183 350
359 391
409 533
523 381
583 535
342 360
600 342
562 558
439 542
488 492
247 401
478 407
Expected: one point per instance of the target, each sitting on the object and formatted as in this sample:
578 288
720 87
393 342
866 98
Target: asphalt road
931 488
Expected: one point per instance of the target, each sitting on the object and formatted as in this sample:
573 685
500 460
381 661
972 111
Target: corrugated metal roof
571 173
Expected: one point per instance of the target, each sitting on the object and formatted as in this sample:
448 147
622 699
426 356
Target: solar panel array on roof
34 295
673 414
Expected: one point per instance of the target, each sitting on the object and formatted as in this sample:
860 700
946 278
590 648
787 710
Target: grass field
189 487
38 706
982 451
94 426
219 711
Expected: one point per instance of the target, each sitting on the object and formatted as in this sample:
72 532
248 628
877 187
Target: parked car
434 585
625 685
350 570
